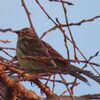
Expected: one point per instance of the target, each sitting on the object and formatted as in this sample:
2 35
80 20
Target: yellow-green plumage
30 47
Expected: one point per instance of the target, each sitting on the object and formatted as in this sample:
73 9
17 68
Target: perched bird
29 44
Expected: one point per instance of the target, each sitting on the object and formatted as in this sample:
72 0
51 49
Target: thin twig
28 15
73 42
5 41
65 40
71 24
71 94
66 2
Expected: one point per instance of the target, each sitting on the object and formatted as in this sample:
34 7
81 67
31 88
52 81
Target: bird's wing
71 69
57 57
51 50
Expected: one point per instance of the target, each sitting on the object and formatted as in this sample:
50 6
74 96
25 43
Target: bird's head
26 33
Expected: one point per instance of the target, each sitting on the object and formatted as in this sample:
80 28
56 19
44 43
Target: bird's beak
17 32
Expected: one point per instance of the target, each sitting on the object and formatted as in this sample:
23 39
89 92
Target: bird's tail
77 72
80 77
91 75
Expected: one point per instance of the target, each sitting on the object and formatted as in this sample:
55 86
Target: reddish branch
70 24
58 58
5 41
65 40
16 89
25 76
70 33
66 2
28 13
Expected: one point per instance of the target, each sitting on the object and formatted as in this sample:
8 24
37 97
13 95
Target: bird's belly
32 65
29 64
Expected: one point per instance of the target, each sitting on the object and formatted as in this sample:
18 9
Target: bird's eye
28 36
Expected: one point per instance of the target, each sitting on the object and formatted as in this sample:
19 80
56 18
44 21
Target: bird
30 45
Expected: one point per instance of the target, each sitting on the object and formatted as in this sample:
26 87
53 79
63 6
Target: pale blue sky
87 36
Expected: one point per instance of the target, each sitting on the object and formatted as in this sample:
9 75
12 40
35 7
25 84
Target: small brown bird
30 45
